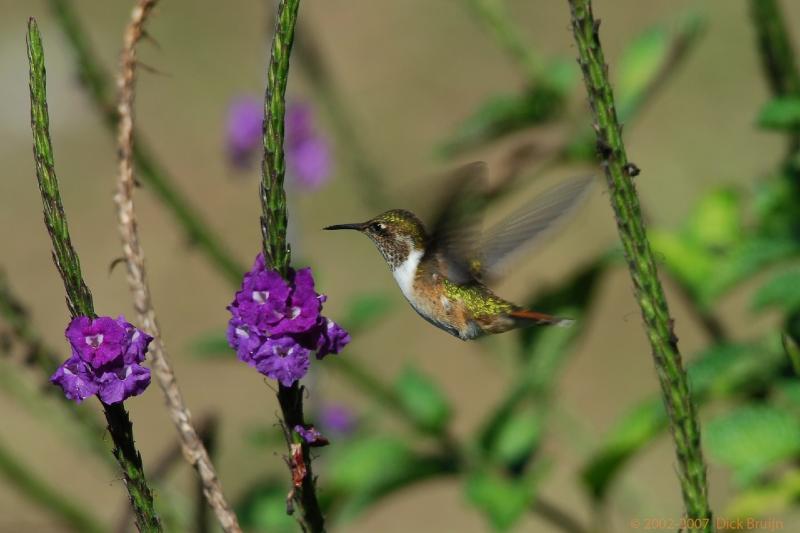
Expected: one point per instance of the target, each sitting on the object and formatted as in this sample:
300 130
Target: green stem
780 66
79 299
121 430
45 359
493 15
35 489
100 88
647 287
277 254
777 54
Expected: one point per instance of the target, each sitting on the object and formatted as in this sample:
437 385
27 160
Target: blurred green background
410 72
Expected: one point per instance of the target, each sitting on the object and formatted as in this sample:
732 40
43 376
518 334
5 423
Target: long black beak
357 227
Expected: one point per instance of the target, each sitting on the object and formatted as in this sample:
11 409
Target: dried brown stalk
192 446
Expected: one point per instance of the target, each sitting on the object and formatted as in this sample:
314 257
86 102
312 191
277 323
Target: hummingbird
443 272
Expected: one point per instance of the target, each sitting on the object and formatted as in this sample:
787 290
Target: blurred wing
527 226
456 228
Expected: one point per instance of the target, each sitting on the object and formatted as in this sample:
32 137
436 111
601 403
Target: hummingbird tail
541 318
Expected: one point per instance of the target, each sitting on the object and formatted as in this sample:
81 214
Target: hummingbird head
396 234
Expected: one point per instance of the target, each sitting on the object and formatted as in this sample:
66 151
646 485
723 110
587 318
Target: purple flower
105 360
282 359
302 311
262 301
244 339
243 130
307 154
76 379
311 435
338 419
332 338
96 341
123 382
275 323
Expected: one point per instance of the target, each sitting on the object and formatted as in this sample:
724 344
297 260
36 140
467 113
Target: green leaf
518 437
501 499
716 222
720 372
636 429
414 470
792 351
263 508
641 60
211 346
781 113
367 463
560 75
767 500
684 259
749 258
782 291
753 438
788 394
364 310
423 400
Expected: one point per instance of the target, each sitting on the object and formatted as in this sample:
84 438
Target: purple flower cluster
105 360
243 130
308 156
276 324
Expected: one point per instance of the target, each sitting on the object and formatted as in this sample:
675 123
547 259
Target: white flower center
94 340
295 313
260 296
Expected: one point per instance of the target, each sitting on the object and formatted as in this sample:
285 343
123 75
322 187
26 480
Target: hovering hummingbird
443 273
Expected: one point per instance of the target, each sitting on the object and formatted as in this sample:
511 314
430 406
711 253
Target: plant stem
777 54
45 359
647 287
277 254
79 299
100 89
35 489
493 15
98 84
193 449
780 66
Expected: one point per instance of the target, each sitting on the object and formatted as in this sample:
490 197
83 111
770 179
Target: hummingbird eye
377 227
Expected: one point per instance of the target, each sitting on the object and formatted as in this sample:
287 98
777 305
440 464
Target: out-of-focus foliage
503 499
731 235
423 400
752 438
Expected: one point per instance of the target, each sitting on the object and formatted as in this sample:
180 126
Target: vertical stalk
779 61
780 66
100 89
193 449
647 287
493 15
277 253
79 299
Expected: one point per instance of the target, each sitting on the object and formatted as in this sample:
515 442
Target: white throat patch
405 273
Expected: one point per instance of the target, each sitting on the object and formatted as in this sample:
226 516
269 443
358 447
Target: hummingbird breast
466 310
